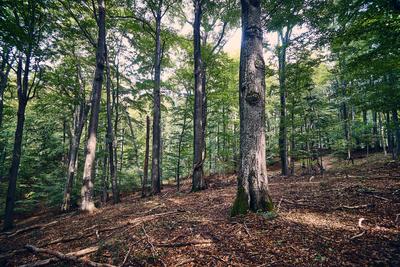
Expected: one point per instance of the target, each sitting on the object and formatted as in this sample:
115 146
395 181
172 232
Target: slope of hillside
350 216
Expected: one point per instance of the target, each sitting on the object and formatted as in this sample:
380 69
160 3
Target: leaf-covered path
351 216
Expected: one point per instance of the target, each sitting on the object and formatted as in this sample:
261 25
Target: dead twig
126 256
153 250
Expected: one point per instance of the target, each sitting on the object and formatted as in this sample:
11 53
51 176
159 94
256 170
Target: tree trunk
156 149
198 182
79 119
146 159
389 135
110 140
282 92
23 97
382 134
397 133
178 165
87 188
4 72
252 192
375 130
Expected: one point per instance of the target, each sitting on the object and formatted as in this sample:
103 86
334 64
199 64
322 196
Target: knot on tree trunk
254 32
253 98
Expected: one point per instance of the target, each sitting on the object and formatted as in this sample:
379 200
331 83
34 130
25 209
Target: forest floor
348 217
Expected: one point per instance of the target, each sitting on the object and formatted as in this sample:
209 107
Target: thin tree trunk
397 133
382 134
79 118
282 92
252 192
104 176
146 159
87 187
178 165
390 135
110 136
156 148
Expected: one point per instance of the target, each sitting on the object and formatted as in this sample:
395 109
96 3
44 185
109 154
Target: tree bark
146 159
156 148
4 72
282 93
87 188
23 97
180 141
252 193
397 133
79 119
198 182
110 140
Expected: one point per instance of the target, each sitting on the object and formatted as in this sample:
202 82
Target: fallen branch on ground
67 257
358 235
354 207
11 253
79 253
182 244
42 225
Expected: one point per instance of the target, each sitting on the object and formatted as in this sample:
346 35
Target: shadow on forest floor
349 216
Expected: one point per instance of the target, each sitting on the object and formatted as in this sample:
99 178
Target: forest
199 133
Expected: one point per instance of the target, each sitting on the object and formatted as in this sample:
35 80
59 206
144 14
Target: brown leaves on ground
350 216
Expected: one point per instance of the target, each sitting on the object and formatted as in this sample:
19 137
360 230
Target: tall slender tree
87 187
198 182
29 19
252 193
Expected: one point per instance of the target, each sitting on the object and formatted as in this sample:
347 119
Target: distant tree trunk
252 192
397 133
104 176
366 132
389 135
79 118
22 87
198 182
382 134
284 39
121 158
87 188
156 149
375 130
135 148
180 141
110 140
146 159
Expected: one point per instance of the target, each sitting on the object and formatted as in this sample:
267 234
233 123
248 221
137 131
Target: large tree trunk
110 136
146 159
156 149
87 188
23 97
198 182
252 190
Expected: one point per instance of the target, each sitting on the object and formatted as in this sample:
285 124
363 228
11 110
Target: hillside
347 217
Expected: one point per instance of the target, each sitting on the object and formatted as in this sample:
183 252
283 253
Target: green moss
269 205
241 205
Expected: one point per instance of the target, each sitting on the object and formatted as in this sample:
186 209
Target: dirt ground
350 216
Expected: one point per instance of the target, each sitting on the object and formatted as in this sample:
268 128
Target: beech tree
87 188
252 193
29 19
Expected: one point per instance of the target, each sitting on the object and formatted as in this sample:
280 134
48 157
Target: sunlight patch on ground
317 220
